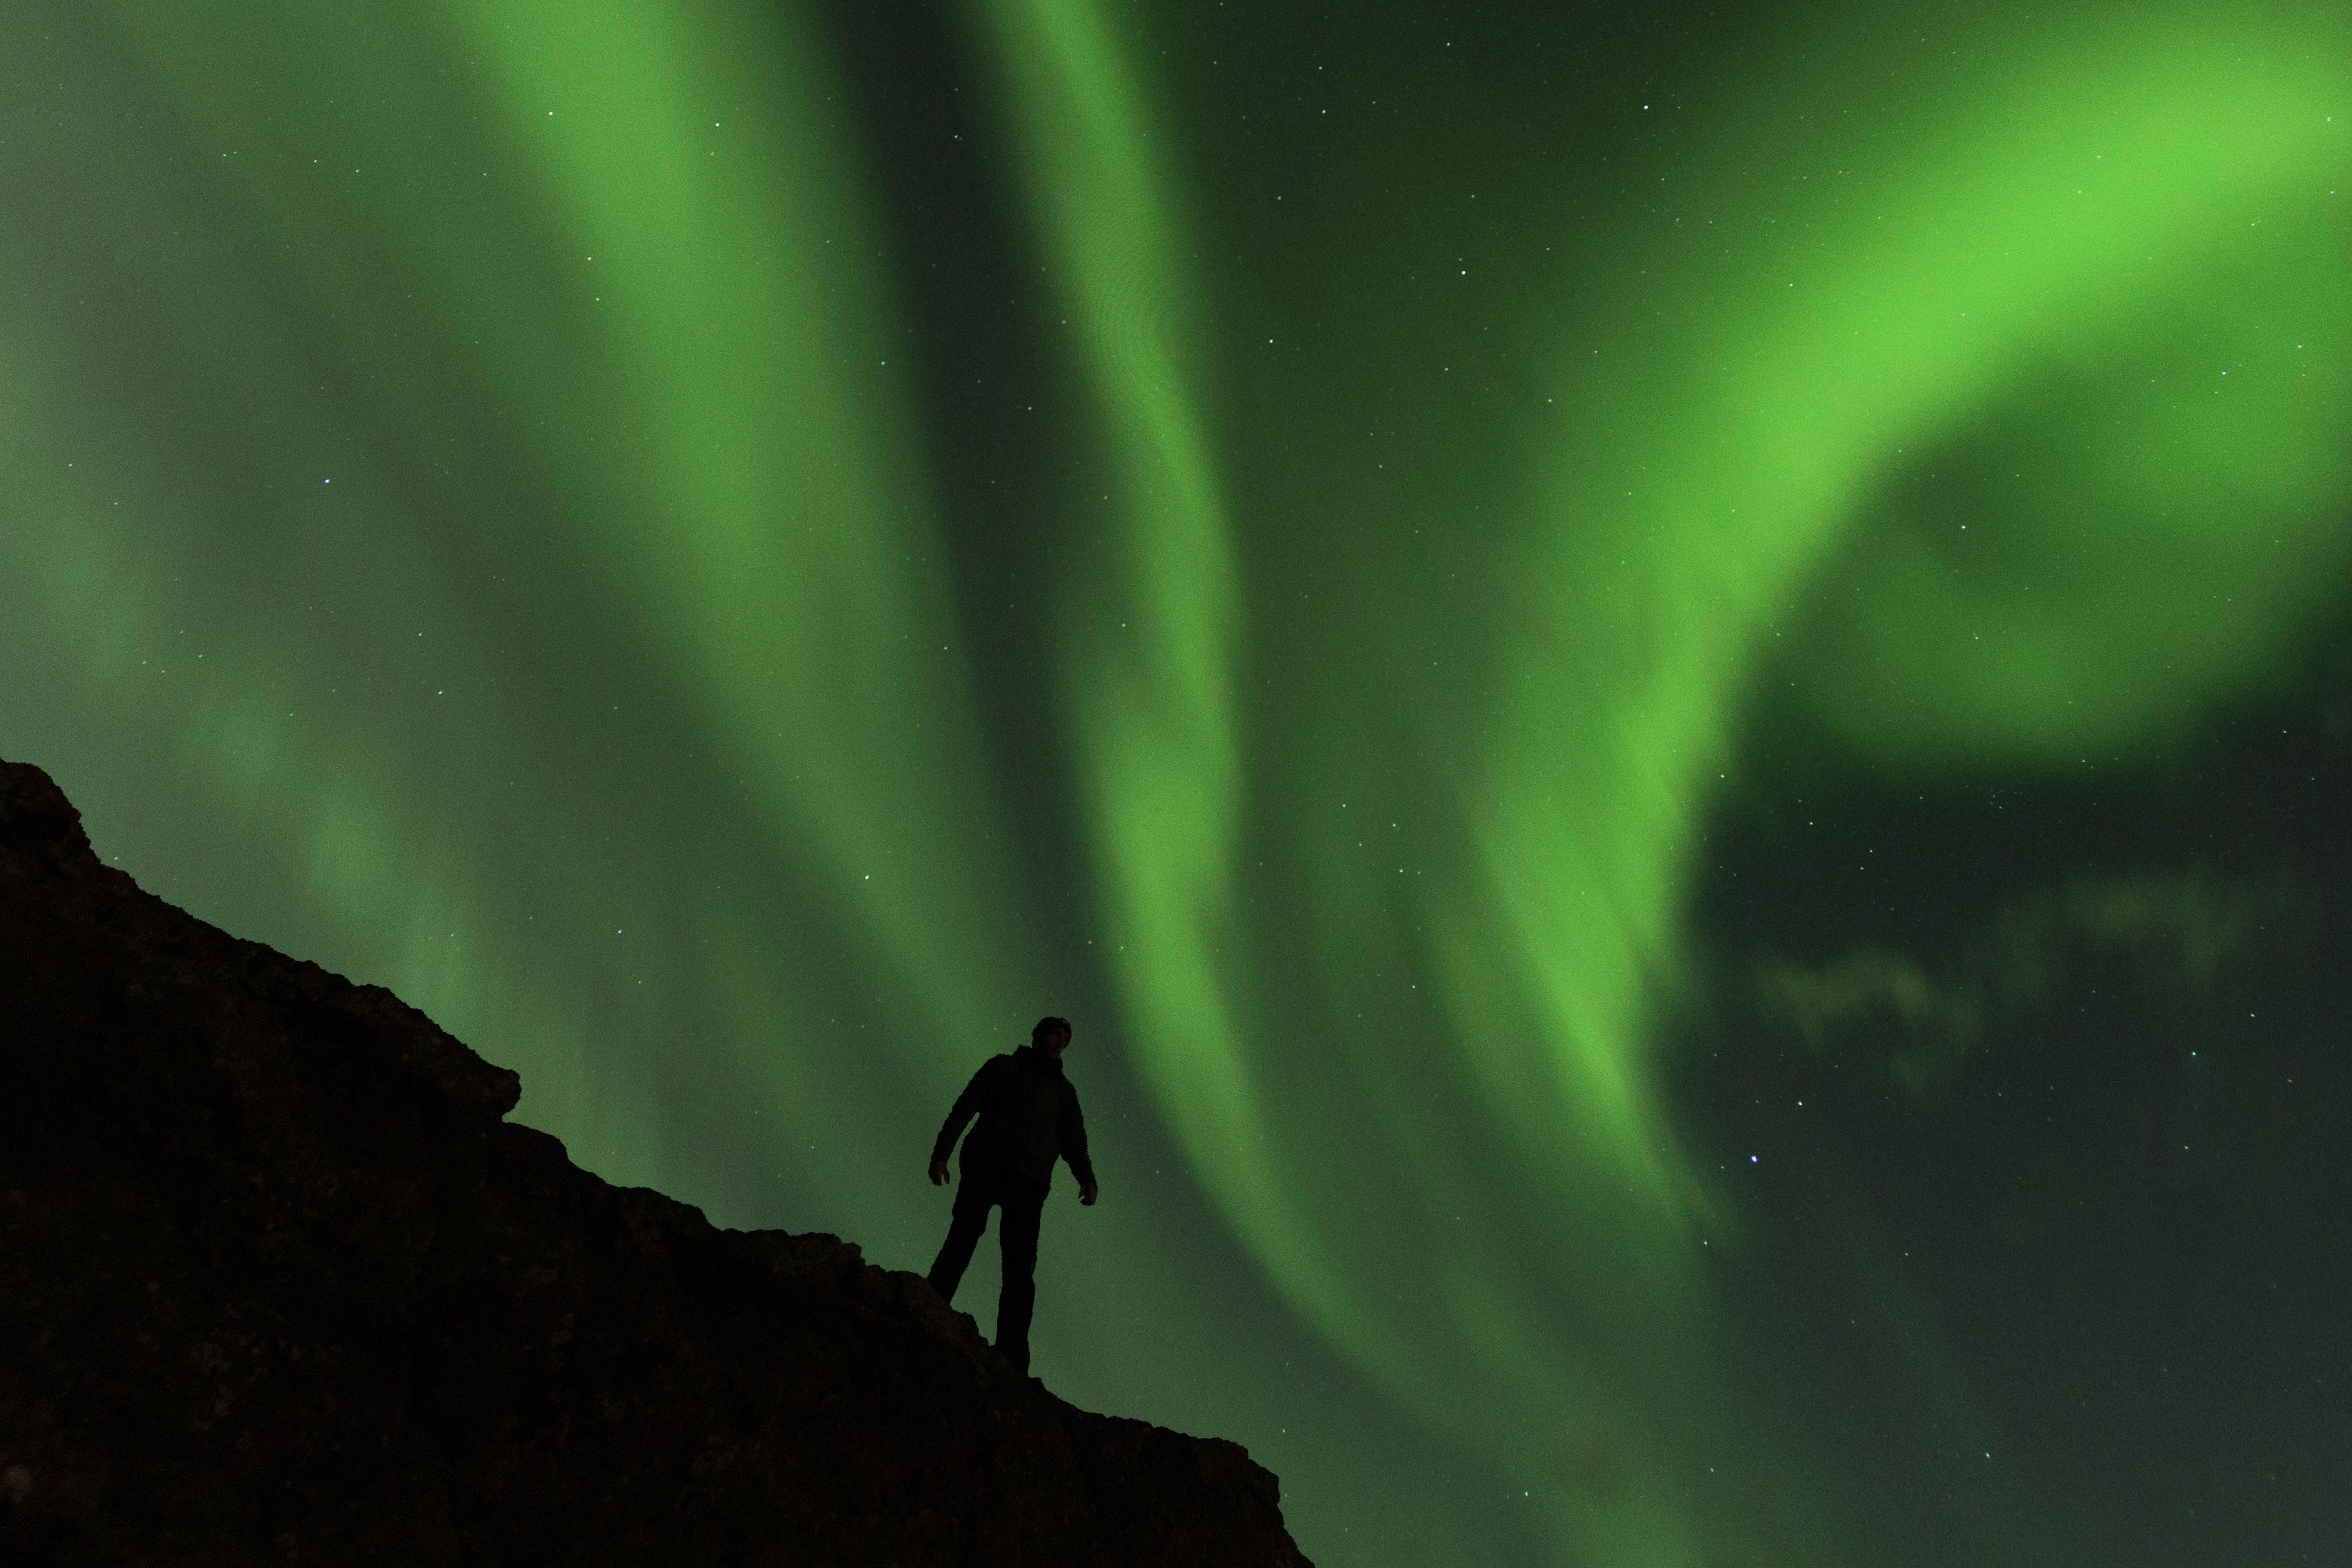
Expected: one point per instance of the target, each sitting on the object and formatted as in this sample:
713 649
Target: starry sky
1668 694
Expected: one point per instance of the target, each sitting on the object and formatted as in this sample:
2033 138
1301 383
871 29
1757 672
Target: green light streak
1733 414
679 315
1151 680
2072 213
761 490
2137 207
1875 298
1999 303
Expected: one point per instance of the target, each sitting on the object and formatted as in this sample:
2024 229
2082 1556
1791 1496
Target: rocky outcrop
278 1283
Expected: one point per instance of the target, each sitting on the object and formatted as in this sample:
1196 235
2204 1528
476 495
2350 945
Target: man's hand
1086 1192
939 1173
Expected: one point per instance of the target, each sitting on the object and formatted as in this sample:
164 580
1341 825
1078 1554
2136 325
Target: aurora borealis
1583 649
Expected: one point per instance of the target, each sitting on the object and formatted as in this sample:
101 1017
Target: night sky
1670 694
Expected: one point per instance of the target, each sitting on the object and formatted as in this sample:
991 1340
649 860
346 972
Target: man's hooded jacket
1029 1118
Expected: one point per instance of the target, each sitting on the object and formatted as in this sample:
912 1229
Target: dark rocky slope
277 1283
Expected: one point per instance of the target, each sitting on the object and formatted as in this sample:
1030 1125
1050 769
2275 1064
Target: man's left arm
967 1106
1074 1144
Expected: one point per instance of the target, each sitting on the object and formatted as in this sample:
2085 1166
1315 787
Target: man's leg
971 1217
1017 1232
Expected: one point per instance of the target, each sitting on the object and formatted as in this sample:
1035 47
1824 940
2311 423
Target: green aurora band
1967 377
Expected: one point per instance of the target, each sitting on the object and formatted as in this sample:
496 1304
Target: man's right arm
1073 1132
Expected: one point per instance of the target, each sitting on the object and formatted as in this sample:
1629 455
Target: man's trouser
1022 1199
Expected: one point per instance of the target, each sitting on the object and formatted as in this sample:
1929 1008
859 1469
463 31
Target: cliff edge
278 1283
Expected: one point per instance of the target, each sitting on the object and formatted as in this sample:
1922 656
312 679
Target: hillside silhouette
278 1283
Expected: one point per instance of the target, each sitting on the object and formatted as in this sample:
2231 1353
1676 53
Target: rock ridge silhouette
278 1283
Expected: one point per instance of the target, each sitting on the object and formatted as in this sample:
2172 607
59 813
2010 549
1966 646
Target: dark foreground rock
277 1283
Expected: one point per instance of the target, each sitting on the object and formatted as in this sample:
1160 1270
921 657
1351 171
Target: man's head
1051 1035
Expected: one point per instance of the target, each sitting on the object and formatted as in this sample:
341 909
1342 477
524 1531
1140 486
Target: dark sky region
1667 687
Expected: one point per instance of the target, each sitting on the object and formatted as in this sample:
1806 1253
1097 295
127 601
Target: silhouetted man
1028 1119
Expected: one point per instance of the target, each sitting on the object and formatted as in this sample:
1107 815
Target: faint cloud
2172 934
1878 987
